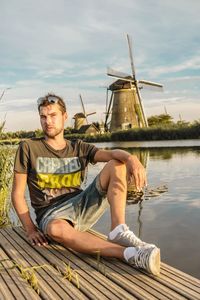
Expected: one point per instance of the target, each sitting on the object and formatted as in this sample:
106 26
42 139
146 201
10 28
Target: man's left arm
135 170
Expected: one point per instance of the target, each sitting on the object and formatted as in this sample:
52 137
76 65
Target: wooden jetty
59 273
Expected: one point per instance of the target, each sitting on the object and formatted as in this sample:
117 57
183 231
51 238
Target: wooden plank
95 280
18 287
160 289
174 277
86 284
167 286
179 274
101 282
136 280
118 278
184 284
4 289
51 284
67 286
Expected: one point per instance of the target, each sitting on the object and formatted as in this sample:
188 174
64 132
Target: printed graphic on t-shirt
56 173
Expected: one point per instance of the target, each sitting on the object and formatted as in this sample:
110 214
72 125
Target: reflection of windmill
80 119
125 106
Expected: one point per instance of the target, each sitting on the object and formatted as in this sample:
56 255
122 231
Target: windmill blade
131 55
93 113
151 83
83 108
117 74
108 112
107 98
143 115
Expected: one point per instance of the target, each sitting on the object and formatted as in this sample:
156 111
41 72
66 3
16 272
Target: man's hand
136 172
36 238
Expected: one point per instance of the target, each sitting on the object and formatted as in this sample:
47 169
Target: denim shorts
83 210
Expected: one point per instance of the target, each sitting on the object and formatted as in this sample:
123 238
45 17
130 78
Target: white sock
129 252
116 230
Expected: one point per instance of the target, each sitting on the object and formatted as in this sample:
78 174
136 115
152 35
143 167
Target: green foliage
39 133
160 120
158 133
22 134
165 129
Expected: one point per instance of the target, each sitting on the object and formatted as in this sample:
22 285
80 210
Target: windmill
80 119
125 105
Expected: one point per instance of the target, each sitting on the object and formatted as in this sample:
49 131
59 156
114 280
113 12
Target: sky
65 47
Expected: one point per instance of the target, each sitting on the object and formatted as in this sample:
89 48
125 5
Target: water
170 219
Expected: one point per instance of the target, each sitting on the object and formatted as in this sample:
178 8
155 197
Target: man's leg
113 180
84 242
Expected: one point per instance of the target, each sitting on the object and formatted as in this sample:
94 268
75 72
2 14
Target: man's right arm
20 205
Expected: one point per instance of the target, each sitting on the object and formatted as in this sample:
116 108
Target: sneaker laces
132 237
141 258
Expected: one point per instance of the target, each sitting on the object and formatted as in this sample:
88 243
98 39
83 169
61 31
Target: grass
6 167
27 274
70 274
100 266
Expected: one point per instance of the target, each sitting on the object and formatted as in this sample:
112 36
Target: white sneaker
147 259
127 238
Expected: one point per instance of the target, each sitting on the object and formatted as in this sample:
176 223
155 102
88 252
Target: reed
70 274
27 273
6 166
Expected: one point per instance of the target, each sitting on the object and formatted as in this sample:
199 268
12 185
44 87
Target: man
53 168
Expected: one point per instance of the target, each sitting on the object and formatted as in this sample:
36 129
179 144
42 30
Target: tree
160 120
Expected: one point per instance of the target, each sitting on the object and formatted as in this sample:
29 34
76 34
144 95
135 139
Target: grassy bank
145 134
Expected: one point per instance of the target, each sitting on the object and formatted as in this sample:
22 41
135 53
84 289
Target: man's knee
59 230
113 170
117 168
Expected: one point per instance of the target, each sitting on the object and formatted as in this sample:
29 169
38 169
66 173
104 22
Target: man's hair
49 99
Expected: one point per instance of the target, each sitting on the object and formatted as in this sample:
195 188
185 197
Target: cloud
189 64
66 47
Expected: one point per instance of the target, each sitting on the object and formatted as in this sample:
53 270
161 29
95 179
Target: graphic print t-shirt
53 174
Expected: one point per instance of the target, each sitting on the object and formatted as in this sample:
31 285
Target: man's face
52 120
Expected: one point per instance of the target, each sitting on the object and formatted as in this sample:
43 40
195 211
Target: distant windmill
125 105
80 119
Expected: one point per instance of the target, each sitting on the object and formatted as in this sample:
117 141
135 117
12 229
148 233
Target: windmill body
125 106
80 119
126 112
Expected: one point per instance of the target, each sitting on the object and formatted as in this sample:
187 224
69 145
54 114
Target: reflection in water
134 197
139 219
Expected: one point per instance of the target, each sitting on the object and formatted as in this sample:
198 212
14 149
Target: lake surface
169 212
170 219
